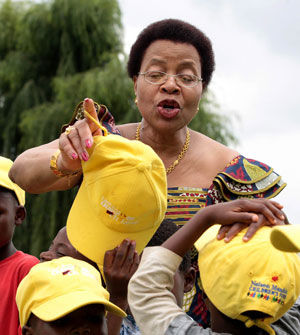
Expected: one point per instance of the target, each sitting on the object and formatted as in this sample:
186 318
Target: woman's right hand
74 144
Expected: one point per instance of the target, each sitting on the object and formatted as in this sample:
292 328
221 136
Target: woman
171 65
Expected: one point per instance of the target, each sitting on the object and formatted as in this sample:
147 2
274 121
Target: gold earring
136 101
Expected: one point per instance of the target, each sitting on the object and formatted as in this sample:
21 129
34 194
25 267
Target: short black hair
166 229
7 190
176 31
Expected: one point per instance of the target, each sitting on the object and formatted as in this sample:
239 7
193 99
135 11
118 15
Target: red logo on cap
275 278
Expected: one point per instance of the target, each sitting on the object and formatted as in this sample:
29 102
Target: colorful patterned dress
240 178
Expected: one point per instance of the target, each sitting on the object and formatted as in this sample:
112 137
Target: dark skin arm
119 265
253 213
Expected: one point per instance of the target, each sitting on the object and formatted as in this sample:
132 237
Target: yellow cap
56 288
123 195
286 238
5 165
249 276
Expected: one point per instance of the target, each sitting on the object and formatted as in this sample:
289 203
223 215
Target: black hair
166 229
7 190
176 31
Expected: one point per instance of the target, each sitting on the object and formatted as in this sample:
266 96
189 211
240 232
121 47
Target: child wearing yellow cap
249 285
64 296
14 264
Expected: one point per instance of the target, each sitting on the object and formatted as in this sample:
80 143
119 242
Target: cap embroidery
116 214
271 293
66 272
71 270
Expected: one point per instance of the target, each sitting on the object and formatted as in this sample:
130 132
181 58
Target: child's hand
235 216
119 266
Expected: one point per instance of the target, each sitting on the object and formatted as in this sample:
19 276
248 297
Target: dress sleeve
244 177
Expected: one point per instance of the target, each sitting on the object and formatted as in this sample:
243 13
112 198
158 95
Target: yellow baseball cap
5 165
56 288
286 238
238 277
123 195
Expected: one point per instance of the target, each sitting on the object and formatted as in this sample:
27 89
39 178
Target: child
61 247
119 265
248 285
14 264
63 296
184 277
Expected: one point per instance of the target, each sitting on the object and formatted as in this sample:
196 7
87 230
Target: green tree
53 54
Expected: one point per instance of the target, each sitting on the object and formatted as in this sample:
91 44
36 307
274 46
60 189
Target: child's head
12 200
184 278
252 282
60 247
63 294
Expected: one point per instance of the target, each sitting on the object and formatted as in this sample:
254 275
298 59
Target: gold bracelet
56 171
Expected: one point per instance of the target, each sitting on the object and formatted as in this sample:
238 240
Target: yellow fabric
258 323
123 195
56 288
286 238
89 116
244 276
5 165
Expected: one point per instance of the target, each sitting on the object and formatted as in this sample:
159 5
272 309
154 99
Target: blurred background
55 53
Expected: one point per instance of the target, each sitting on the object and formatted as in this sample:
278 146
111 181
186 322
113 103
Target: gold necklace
179 157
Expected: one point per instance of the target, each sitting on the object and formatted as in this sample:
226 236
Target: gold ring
69 129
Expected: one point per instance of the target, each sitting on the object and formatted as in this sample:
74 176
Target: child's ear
20 215
189 279
26 330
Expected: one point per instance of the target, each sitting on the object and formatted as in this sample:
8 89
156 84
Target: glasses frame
171 75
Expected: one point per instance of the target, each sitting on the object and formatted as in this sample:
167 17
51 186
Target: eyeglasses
159 78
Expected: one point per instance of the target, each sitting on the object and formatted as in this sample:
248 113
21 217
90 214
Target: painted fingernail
74 156
88 143
86 100
84 156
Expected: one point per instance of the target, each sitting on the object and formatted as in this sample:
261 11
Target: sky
256 81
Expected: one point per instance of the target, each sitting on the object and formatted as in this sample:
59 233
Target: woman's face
169 105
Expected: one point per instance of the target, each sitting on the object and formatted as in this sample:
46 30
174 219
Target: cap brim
62 305
286 238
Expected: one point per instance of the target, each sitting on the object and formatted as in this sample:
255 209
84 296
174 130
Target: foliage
210 122
53 54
